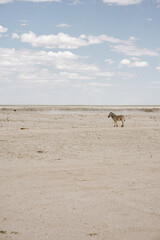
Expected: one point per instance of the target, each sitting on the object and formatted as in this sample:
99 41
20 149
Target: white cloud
122 2
9 1
76 2
109 61
5 1
3 29
23 24
23 21
15 36
132 50
65 41
63 25
32 65
78 66
140 64
155 82
158 68
125 62
154 87
97 84
104 38
129 63
125 75
48 67
158 1
73 76
149 19
40 1
61 40
105 74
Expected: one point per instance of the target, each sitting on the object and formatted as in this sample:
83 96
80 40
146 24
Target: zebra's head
110 115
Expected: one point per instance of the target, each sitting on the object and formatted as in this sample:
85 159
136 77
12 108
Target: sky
80 52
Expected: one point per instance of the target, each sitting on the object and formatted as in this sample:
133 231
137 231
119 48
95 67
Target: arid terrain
70 175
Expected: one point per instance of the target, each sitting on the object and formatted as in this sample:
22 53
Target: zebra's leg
122 124
115 124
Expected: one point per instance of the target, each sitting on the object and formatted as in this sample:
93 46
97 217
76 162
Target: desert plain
67 174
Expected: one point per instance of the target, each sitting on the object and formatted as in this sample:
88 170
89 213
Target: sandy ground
69 176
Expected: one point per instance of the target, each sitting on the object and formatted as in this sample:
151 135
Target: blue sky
100 52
